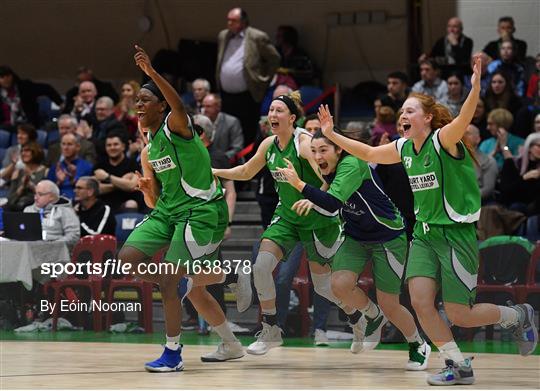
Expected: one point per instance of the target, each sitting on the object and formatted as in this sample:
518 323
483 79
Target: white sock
451 351
509 316
415 338
224 331
173 343
271 311
371 310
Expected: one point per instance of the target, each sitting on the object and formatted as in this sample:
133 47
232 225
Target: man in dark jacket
95 216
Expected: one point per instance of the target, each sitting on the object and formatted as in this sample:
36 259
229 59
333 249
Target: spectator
227 136
385 124
485 77
24 180
397 86
68 125
201 88
18 99
70 166
456 93
501 95
125 111
479 120
534 81
520 178
453 51
525 116
85 74
507 63
246 63
498 123
106 121
84 102
116 174
485 166
295 62
59 221
506 30
430 84
95 217
312 123
25 134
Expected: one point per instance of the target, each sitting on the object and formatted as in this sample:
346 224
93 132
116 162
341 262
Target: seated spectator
218 160
59 221
68 125
18 99
520 178
506 30
534 82
116 174
501 95
70 166
85 74
479 119
201 88
456 93
485 77
24 180
228 136
105 121
95 217
453 51
525 117
485 166
125 111
312 123
498 123
397 85
508 64
430 84
385 124
25 133
84 102
294 62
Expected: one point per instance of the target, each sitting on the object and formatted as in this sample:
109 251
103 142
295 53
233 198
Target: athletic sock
173 343
415 338
225 332
269 316
354 317
451 351
509 316
371 310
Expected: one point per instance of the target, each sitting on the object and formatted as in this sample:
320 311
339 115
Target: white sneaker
418 356
269 337
359 329
372 335
242 290
321 338
225 351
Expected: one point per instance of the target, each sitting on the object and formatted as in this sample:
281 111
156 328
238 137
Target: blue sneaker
170 361
453 373
525 331
184 287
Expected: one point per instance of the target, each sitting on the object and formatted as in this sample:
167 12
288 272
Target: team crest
407 161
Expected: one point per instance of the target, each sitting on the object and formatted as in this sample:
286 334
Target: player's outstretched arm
249 169
178 120
384 154
452 133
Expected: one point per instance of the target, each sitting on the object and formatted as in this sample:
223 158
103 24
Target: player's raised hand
142 60
477 71
326 119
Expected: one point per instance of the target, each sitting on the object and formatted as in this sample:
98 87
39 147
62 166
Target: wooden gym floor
85 365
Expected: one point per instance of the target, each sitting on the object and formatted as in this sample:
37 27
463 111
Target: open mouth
140 114
406 127
323 166
274 124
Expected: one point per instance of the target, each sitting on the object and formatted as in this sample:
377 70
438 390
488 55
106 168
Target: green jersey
183 169
288 195
445 188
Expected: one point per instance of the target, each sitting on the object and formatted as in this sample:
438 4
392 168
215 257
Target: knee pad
265 264
322 283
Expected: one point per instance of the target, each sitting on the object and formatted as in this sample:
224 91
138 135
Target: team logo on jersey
407 161
278 176
423 182
163 164
427 161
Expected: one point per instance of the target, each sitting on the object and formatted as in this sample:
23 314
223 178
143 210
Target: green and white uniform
446 203
190 213
319 231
